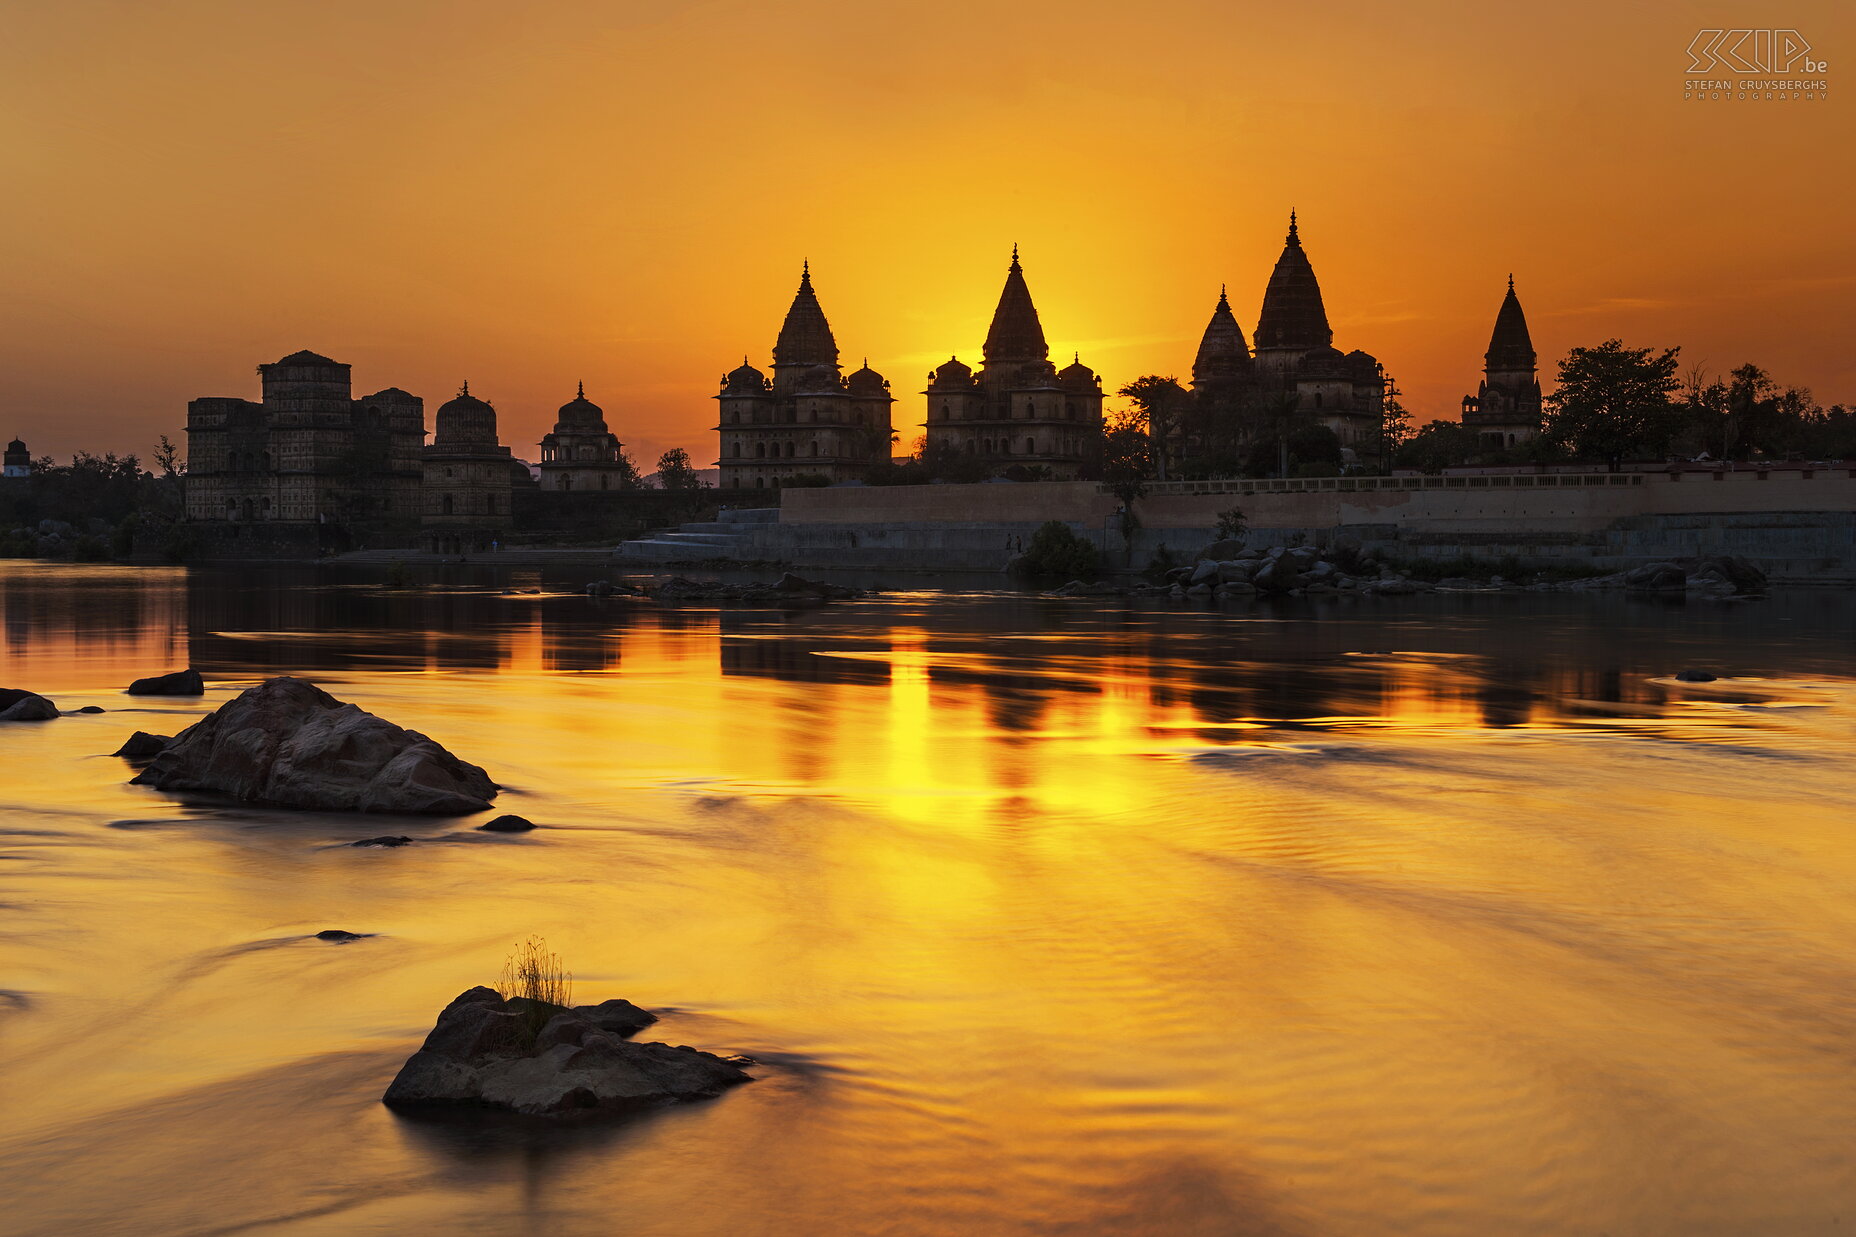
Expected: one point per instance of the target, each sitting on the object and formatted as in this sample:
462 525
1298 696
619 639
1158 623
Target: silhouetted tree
1127 457
1165 406
1614 401
674 471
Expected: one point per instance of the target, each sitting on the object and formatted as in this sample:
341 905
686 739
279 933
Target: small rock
383 841
485 1052
18 705
1694 676
179 683
143 746
341 936
508 823
90 708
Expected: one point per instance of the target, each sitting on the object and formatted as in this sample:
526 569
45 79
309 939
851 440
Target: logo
1751 51
1747 65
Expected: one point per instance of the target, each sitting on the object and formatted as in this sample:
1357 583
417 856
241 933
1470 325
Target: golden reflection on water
1456 916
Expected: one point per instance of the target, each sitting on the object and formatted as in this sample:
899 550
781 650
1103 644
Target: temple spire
1015 334
1293 317
1223 356
1511 347
805 337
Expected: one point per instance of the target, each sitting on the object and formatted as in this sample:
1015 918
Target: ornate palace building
1295 357
1505 410
581 453
809 420
1019 408
467 479
306 456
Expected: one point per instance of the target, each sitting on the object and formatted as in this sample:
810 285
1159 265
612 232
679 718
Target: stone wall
1800 524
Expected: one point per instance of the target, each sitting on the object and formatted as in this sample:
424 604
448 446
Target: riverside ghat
1797 522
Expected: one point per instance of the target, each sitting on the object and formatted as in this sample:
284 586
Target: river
1434 915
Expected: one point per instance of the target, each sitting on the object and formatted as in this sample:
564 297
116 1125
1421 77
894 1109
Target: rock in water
548 1060
508 823
17 705
143 746
180 683
383 841
288 743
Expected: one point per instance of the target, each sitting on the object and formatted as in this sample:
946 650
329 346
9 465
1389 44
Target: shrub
1056 552
1163 562
1233 525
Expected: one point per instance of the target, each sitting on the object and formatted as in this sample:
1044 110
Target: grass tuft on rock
534 975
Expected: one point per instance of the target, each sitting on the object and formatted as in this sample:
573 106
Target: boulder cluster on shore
1226 569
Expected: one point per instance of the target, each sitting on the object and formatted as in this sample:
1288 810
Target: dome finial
805 272
465 389
1511 281
1015 265
580 392
1292 231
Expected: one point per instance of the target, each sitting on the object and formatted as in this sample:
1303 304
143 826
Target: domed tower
1018 411
580 453
18 459
1505 410
467 479
808 421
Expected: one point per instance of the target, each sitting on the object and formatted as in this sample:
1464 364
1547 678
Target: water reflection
1451 915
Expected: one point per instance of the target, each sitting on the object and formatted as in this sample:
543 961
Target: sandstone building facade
809 419
1019 408
1505 410
306 455
467 479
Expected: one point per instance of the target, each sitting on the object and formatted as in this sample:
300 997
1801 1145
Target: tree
1165 406
674 471
1395 428
1439 445
168 459
1127 458
1614 401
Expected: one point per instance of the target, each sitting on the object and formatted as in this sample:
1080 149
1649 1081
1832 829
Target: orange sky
531 195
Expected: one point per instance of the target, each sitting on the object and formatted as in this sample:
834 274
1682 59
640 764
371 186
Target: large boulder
549 1060
19 705
288 743
1656 577
1278 574
1728 574
179 683
1227 548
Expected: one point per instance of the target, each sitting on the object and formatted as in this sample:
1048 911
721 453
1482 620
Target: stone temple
580 453
1505 410
468 479
1019 409
1295 360
809 420
307 462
